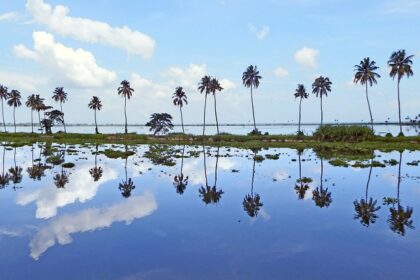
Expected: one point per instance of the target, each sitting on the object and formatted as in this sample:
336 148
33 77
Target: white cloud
307 57
260 33
148 88
74 66
87 30
8 16
61 229
21 82
281 72
187 77
280 175
227 84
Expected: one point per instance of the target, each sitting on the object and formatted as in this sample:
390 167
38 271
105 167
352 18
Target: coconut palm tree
40 106
126 186
14 101
365 74
181 181
321 86
366 209
179 98
61 179
95 104
36 171
301 185
4 95
31 103
252 202
15 172
4 176
210 195
251 79
321 196
214 88
400 65
96 171
59 95
125 91
301 94
204 86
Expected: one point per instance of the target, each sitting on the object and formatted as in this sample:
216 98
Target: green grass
344 133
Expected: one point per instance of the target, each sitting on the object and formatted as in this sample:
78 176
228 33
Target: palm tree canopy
31 102
365 72
251 77
204 84
39 101
95 103
400 218
365 211
400 64
301 92
125 90
321 86
4 93
59 95
179 97
252 204
14 99
215 86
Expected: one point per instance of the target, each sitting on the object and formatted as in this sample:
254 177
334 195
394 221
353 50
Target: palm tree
95 104
96 171
128 185
204 86
365 209
302 183
125 91
300 93
61 179
400 65
365 74
14 101
251 78
210 194
59 95
36 171
15 172
4 177
181 181
4 95
321 86
321 196
40 106
215 87
252 202
179 98
31 103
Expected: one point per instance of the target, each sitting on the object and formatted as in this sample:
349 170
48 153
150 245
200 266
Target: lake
191 212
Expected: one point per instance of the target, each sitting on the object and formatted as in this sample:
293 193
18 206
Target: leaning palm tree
179 98
321 86
40 106
204 86
252 202
400 65
31 103
215 87
14 101
59 95
125 91
365 74
4 95
95 104
301 94
251 78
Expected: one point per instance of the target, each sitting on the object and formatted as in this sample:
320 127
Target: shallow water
218 214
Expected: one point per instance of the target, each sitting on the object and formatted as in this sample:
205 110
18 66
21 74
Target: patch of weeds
272 156
56 160
389 201
258 158
109 153
377 164
68 165
414 163
235 171
338 162
305 180
391 162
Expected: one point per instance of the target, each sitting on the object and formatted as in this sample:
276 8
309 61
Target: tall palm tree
36 171
215 87
210 194
4 176
14 101
15 172
204 86
96 171
31 103
40 106
400 65
179 97
301 94
252 202
181 181
365 74
302 184
321 86
95 104
321 196
125 91
126 186
251 78
4 95
59 95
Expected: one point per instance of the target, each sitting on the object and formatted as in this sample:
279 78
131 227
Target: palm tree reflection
321 196
36 171
302 184
127 185
61 179
15 172
4 176
366 209
181 181
399 217
210 195
96 171
252 201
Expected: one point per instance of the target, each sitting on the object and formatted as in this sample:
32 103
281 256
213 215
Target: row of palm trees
400 65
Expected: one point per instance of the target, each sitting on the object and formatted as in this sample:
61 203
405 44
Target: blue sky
90 46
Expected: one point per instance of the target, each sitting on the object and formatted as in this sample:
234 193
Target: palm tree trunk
215 112
182 160
14 118
32 120
182 119
300 168
205 106
2 112
125 114
205 166
370 111
253 176
399 106
96 125
300 105
215 168
253 112
64 123
322 112
368 181
399 179
322 172
40 125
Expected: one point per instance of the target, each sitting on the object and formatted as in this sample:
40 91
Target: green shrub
68 165
344 133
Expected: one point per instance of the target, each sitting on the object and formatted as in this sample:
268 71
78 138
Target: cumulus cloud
281 72
148 87
8 16
307 57
61 229
187 77
260 33
227 84
20 81
58 20
74 66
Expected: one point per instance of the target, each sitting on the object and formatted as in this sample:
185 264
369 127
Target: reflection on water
68 196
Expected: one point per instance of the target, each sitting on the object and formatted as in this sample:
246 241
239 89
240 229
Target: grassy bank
240 141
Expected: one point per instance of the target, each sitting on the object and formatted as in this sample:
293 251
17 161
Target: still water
175 212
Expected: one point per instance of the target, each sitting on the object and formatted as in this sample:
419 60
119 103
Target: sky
89 47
